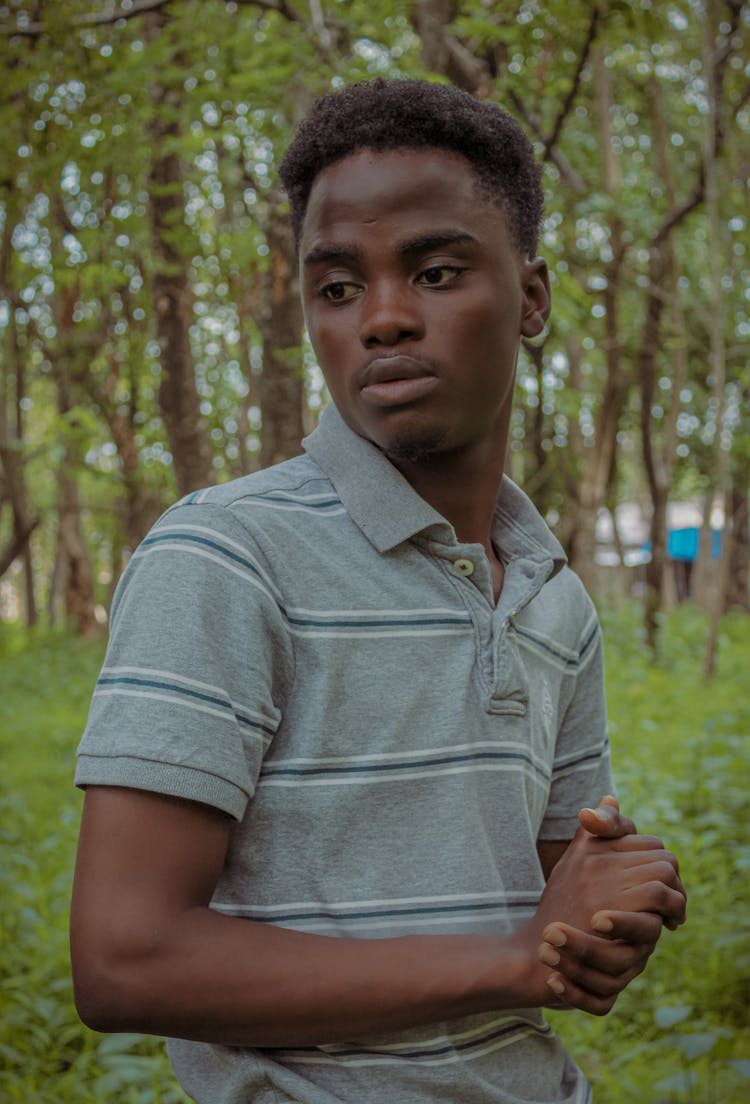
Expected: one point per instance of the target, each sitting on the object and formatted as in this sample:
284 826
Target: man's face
415 298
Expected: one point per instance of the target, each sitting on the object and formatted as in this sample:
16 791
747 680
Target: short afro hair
415 114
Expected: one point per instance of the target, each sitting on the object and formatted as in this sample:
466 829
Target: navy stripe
270 770
567 660
337 624
591 637
374 914
591 757
157 685
458 619
296 501
209 543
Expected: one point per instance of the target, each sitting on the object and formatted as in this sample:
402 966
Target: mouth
395 380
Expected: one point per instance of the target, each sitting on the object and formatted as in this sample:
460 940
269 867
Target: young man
352 705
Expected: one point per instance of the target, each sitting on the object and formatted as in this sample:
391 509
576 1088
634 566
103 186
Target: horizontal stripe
341 907
379 634
344 624
172 677
153 684
578 764
446 1054
293 508
174 545
175 700
270 769
401 775
316 623
566 660
397 757
425 611
254 913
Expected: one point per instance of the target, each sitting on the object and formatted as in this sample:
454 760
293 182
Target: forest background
151 342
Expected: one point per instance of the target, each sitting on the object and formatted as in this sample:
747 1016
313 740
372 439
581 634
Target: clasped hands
603 908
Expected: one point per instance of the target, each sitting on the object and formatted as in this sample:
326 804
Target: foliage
680 1032
81 101
677 1036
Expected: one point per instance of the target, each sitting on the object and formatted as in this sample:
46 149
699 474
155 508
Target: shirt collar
389 511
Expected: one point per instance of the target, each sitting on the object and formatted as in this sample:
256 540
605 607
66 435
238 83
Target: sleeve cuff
164 778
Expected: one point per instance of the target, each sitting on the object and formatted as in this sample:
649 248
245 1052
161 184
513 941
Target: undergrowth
679 1035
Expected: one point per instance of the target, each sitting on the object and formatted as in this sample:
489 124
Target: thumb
606 820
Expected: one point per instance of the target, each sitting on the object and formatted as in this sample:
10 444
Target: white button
463 567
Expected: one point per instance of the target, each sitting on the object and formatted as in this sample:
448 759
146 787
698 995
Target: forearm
225 980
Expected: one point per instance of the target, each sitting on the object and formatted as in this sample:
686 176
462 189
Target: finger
606 820
637 928
633 842
568 995
601 966
654 896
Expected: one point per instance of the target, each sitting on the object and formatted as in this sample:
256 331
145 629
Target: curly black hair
414 114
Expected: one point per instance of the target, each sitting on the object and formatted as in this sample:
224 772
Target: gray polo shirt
310 649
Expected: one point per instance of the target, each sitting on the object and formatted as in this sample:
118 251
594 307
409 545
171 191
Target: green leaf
678 1082
695 1045
671 1015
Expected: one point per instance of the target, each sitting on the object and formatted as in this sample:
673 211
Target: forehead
416 189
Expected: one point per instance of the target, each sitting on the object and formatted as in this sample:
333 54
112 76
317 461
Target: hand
607 822
592 969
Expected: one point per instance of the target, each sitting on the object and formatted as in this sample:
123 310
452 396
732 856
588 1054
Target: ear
536 297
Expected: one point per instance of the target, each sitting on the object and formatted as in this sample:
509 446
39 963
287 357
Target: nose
390 315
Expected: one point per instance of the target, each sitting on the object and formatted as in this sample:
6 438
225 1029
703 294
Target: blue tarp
682 544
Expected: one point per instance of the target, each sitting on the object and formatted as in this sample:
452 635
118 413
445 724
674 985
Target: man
352 705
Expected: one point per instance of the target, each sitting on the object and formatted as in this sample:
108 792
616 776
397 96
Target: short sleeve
581 771
197 669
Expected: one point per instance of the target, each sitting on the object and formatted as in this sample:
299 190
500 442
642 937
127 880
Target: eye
439 275
339 291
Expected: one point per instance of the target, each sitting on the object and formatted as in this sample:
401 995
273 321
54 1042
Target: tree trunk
76 579
716 330
600 456
14 477
281 385
179 401
739 566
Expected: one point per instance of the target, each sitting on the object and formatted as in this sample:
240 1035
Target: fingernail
556 937
603 924
548 955
556 985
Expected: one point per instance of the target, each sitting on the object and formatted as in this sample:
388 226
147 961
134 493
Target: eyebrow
422 243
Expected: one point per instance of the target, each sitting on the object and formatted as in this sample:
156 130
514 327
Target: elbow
110 993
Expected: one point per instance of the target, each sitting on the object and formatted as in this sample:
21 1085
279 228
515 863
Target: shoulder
256 507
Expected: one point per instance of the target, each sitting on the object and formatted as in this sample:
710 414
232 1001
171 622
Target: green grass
46 1054
678 1035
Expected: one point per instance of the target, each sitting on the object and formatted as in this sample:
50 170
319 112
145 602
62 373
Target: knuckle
602 1006
666 872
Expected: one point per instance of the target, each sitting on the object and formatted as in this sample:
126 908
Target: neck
462 486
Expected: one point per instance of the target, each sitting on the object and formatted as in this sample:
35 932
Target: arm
149 955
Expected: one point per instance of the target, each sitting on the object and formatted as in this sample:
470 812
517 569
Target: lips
395 380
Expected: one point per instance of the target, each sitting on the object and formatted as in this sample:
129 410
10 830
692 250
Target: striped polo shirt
312 650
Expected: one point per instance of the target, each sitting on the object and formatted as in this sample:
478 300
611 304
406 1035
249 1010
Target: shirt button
463 567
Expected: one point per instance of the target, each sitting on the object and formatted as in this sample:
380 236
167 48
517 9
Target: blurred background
151 342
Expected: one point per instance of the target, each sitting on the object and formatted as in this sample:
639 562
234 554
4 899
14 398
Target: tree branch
281 7
569 100
555 155
93 19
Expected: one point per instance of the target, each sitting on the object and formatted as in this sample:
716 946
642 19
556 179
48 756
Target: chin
414 447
